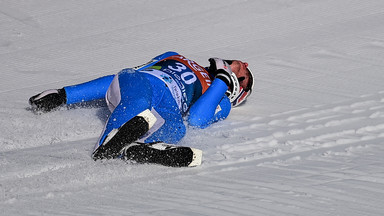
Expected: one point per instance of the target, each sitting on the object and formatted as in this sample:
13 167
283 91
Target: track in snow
307 154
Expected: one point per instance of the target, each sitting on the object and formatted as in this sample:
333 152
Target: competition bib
199 71
184 78
172 84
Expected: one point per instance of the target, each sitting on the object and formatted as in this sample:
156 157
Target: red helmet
238 94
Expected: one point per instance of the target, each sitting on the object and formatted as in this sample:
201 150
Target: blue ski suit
171 86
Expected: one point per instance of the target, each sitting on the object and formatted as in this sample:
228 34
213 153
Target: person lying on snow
149 102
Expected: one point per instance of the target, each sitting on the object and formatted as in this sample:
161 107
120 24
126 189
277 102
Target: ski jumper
171 86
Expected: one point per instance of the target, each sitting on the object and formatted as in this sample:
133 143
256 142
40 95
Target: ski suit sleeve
88 91
211 107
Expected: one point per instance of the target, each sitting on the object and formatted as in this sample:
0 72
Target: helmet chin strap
234 91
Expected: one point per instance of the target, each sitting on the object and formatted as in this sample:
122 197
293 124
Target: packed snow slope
309 141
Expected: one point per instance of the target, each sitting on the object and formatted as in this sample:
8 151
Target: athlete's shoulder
155 60
166 55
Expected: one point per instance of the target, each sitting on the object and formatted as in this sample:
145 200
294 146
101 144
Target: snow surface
310 140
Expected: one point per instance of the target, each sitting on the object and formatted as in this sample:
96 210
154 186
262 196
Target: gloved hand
225 76
48 100
222 70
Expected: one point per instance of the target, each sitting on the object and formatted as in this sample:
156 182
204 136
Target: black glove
224 76
48 100
222 70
